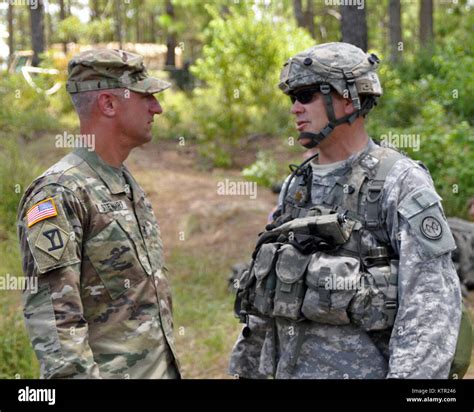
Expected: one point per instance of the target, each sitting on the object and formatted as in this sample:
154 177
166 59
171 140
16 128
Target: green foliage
71 29
17 358
200 298
99 30
240 67
264 171
176 120
24 111
16 172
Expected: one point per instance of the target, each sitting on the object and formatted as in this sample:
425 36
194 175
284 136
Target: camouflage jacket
103 306
422 341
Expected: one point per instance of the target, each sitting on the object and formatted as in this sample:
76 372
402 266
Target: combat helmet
342 67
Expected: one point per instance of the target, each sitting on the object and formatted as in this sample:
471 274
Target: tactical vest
330 262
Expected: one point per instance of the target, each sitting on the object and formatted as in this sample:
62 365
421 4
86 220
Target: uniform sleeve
50 230
426 328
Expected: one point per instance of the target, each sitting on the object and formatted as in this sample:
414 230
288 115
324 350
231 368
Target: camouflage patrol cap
111 69
342 65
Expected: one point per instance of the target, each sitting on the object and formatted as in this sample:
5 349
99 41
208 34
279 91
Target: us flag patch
42 210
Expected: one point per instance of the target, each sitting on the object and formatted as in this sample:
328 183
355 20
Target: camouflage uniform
103 308
463 257
422 340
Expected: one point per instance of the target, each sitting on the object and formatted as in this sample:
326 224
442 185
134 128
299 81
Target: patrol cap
102 69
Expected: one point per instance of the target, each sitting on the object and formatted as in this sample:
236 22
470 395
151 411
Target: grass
17 359
205 327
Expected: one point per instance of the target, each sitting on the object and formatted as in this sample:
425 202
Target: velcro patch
41 211
52 240
423 211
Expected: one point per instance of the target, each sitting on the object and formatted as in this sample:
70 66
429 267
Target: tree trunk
95 11
138 23
171 37
37 31
48 30
395 24
354 26
62 16
67 7
309 18
298 11
11 34
426 24
118 23
152 38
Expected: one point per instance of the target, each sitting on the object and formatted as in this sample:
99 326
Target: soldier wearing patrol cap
88 234
353 278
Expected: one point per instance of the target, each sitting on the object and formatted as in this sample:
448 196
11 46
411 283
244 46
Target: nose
297 107
155 106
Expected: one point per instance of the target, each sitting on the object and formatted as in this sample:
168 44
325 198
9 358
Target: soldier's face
312 117
136 116
471 211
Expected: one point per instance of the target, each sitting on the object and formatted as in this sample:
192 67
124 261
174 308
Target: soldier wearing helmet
353 278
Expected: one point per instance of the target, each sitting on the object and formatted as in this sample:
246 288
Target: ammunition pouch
303 277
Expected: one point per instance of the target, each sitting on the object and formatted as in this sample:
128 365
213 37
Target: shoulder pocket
422 210
115 259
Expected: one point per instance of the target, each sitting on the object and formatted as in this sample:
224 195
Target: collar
354 158
111 176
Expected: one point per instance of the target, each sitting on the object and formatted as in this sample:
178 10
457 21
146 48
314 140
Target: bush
240 68
176 120
24 111
16 173
264 171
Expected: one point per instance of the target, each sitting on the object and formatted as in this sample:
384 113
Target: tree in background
426 25
11 33
304 17
171 37
37 31
354 25
395 25
118 23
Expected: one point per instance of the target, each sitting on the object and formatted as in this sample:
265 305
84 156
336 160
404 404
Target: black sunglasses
304 96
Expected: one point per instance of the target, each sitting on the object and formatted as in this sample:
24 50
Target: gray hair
84 102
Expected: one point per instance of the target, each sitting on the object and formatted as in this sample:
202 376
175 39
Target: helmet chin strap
317 138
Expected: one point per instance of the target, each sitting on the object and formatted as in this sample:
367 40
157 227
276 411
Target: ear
107 103
342 105
348 106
